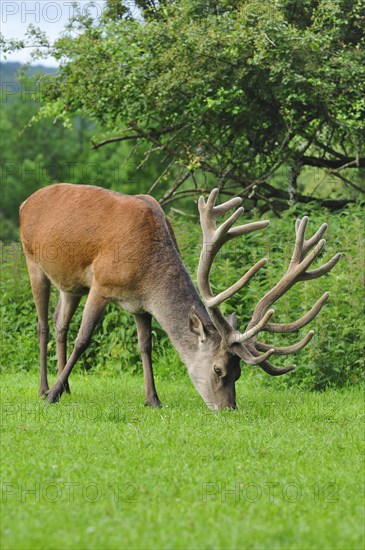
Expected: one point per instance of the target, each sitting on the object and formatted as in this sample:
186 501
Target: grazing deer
114 247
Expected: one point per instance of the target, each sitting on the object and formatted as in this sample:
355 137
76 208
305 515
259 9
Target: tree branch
171 191
334 164
150 134
113 140
346 181
332 204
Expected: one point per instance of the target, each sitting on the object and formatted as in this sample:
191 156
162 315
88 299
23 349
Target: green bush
333 358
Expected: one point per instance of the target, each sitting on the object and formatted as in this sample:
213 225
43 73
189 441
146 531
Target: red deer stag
113 247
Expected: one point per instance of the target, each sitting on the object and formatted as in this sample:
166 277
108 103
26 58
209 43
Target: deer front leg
65 310
94 307
143 322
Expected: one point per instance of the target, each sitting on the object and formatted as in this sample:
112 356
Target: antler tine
249 348
211 199
287 350
236 336
249 358
315 273
223 230
307 245
297 271
222 209
300 226
247 228
213 239
275 371
222 296
299 323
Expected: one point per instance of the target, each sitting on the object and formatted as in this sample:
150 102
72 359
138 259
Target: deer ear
196 325
232 320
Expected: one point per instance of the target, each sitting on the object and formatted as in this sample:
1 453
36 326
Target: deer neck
175 296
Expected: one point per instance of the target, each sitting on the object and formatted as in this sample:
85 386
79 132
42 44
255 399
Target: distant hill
9 69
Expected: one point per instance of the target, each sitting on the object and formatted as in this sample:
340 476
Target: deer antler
305 252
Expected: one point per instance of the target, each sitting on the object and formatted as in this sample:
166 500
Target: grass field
100 470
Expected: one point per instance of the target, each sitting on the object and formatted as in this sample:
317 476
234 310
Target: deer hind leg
41 288
94 307
65 310
143 322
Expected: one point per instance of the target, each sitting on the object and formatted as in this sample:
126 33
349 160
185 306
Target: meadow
100 470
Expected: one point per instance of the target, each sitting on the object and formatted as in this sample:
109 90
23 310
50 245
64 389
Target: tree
235 89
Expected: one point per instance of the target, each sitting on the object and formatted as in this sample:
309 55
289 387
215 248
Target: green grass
283 471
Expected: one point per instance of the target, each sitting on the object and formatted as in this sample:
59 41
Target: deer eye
217 370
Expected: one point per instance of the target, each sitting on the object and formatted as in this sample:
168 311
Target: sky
49 16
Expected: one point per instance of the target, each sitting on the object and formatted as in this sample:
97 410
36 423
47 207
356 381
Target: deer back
82 234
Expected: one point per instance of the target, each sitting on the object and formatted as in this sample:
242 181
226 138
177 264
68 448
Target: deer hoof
153 402
43 390
52 396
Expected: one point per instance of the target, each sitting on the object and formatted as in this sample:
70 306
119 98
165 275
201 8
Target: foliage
333 358
100 470
233 89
